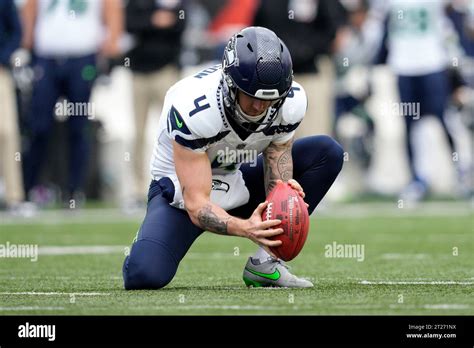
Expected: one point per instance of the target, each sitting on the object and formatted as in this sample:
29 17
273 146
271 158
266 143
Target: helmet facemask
244 120
234 68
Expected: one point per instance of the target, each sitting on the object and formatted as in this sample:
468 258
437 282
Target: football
287 205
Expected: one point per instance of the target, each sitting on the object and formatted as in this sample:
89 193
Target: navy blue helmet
257 63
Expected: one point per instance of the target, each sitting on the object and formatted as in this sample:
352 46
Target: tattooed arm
195 176
277 164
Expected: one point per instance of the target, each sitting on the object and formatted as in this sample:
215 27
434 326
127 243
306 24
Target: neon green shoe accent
250 282
272 276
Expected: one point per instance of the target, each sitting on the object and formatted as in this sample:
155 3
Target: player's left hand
297 187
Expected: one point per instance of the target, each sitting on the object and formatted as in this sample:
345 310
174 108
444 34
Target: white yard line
75 278
224 307
79 217
446 306
40 293
117 249
359 306
435 282
384 210
214 255
395 256
431 306
80 249
31 308
403 306
54 250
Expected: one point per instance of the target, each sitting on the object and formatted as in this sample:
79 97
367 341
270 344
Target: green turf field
408 268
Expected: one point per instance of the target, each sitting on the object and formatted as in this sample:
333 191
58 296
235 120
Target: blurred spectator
308 28
10 158
462 74
66 38
355 45
157 27
418 44
461 13
230 19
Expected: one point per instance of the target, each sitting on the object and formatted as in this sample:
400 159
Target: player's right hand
260 231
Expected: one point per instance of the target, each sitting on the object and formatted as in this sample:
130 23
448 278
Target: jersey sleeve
293 111
193 122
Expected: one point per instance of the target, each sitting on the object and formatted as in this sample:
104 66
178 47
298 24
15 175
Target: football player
203 176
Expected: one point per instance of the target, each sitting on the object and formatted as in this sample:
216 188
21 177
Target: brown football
285 204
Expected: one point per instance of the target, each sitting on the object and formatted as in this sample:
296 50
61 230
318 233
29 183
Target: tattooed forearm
270 173
278 164
285 165
208 220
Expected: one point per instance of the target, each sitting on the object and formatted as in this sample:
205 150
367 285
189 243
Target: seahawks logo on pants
219 185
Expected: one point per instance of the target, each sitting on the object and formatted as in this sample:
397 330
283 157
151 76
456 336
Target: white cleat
273 272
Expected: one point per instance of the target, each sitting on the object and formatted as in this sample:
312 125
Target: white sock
261 255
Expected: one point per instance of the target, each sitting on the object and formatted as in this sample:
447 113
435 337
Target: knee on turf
149 266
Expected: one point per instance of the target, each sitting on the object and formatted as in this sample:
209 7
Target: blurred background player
65 38
232 16
355 46
418 51
461 13
10 150
309 29
157 27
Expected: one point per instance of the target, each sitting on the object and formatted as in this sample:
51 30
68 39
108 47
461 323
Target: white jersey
193 115
417 42
68 28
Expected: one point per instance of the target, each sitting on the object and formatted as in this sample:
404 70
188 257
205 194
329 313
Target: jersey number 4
199 107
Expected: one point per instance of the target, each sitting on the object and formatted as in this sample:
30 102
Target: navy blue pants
431 91
71 78
167 233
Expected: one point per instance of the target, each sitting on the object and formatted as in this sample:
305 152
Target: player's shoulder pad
193 109
295 105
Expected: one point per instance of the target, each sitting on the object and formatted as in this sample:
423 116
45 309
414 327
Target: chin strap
248 129
246 117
